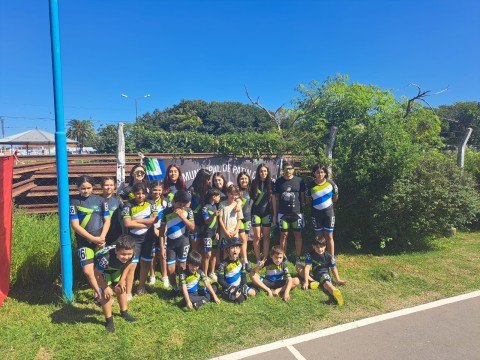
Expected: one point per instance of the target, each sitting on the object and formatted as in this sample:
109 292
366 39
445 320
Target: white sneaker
166 283
213 277
129 297
152 280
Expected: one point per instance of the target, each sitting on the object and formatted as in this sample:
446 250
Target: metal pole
461 148
61 156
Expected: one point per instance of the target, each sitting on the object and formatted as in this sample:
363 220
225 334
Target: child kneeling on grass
277 280
319 261
110 265
194 295
231 273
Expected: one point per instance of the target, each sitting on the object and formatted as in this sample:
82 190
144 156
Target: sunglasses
140 173
287 169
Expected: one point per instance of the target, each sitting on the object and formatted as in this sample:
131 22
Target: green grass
36 324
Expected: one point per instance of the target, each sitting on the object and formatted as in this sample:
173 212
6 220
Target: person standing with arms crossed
290 195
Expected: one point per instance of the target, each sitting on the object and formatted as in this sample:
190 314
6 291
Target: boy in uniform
277 280
209 235
110 265
178 222
231 273
319 262
194 295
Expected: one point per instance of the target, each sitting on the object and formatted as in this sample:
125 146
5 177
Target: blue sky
210 49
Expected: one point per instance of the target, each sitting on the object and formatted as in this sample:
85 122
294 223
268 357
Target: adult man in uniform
290 195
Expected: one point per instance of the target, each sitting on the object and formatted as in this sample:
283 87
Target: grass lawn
35 324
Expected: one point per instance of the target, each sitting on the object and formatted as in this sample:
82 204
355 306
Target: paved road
445 329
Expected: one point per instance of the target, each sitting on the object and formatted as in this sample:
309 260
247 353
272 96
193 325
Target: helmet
233 242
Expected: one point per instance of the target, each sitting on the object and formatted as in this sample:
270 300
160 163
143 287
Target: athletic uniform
210 225
177 238
196 293
173 190
290 212
247 212
261 207
232 277
107 262
115 204
90 212
323 217
132 210
276 276
321 265
196 206
161 205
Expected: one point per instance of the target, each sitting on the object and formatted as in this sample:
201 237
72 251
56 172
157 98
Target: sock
127 316
109 324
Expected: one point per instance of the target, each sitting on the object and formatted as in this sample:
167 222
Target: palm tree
82 131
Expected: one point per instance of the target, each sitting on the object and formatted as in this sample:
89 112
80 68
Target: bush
436 196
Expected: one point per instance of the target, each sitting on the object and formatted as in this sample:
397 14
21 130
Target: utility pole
461 148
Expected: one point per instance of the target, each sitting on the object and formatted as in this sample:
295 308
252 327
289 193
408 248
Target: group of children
199 234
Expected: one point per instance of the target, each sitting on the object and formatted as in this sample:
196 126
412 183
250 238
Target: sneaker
142 291
152 280
248 267
174 293
338 296
297 261
96 300
166 282
313 285
198 304
213 277
129 297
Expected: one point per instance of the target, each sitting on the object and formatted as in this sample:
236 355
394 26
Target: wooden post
461 148
120 157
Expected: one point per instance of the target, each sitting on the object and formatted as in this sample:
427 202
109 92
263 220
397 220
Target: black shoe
197 305
109 325
127 316
174 293
248 267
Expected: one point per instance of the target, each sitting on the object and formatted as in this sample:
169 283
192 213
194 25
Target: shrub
434 197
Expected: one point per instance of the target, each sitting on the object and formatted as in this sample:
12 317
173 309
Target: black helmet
235 241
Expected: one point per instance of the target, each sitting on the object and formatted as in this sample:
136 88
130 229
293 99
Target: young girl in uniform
90 221
173 182
197 192
139 215
156 189
243 182
115 204
263 209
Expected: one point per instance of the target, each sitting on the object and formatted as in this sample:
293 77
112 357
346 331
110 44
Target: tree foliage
208 117
83 131
457 118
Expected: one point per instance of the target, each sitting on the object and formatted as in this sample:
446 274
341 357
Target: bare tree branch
421 97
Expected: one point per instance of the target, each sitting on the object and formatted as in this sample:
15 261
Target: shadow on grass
50 294
70 314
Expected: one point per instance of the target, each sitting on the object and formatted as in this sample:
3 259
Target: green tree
82 131
107 139
457 118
